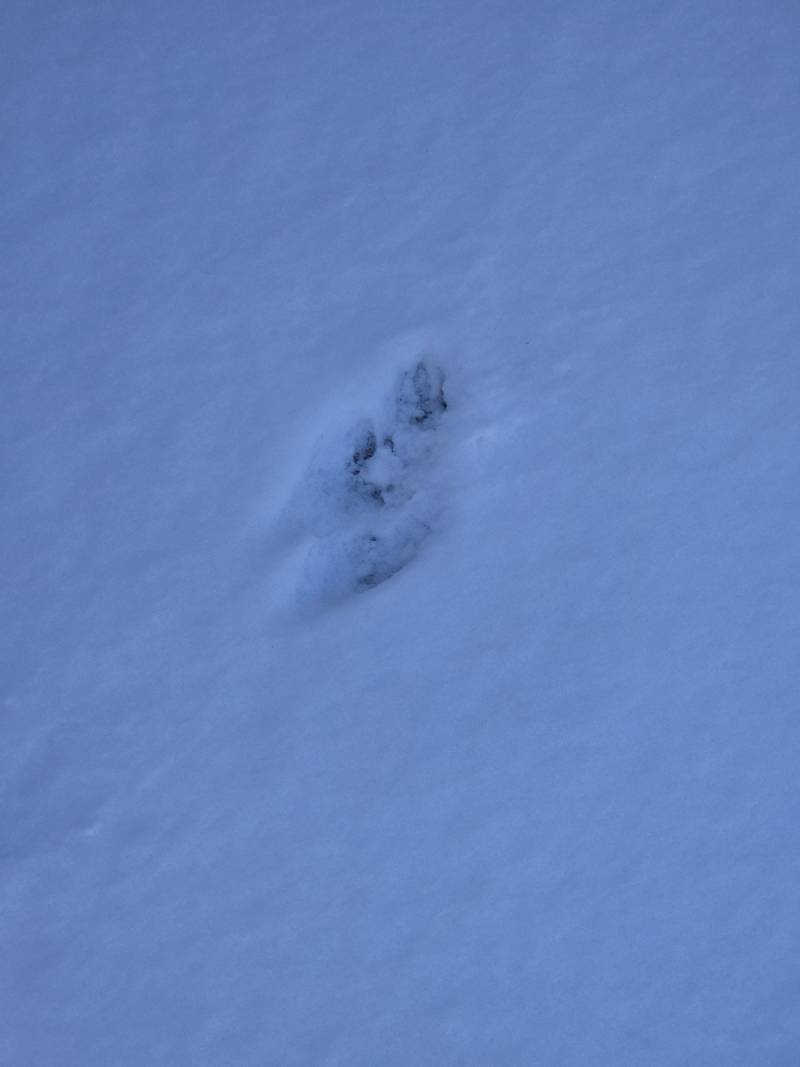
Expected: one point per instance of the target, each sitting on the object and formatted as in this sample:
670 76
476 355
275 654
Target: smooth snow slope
533 798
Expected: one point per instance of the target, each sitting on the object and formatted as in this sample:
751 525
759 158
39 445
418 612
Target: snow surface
501 769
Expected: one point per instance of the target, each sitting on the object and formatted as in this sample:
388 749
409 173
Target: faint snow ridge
366 503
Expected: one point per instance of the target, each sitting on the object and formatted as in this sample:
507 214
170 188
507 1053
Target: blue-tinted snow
531 799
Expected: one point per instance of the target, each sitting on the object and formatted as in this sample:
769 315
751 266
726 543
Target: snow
479 748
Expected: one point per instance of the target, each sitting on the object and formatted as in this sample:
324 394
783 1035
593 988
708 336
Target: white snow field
400 415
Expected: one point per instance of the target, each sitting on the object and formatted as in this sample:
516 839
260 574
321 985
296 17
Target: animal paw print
370 513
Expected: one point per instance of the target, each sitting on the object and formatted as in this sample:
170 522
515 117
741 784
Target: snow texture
399 534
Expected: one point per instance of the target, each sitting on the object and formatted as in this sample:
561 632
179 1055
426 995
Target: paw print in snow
369 511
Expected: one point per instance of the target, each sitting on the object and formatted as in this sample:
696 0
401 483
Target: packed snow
400 422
